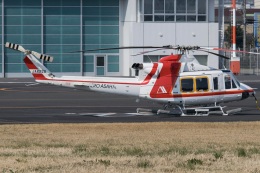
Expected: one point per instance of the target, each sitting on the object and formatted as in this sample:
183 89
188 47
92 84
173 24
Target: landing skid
203 111
194 111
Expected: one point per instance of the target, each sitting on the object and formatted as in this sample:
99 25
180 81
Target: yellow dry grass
131 147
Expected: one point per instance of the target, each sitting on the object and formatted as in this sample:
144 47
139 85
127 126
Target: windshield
230 80
236 80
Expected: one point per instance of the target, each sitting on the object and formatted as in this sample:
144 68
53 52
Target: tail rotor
27 52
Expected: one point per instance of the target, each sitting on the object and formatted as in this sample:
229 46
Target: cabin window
202 84
187 85
215 82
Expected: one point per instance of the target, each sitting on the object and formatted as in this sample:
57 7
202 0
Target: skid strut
194 111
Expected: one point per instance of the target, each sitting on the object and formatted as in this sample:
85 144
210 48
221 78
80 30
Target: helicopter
178 81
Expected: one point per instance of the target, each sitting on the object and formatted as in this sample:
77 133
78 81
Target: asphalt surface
23 101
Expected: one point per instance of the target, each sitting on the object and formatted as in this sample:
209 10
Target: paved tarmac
23 101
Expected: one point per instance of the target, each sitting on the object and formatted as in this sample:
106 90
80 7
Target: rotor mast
235 61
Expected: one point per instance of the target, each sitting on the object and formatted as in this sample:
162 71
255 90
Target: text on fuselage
107 86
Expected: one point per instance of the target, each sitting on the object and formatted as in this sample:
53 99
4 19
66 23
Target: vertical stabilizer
38 70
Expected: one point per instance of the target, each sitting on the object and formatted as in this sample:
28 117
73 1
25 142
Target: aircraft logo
161 90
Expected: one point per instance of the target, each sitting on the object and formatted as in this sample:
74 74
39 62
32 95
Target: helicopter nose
248 91
245 95
252 94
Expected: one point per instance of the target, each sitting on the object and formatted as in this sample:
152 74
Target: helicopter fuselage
164 83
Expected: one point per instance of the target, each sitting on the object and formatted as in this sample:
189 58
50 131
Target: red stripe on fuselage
150 75
39 76
166 80
209 93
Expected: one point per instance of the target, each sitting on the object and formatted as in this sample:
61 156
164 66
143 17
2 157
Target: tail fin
38 70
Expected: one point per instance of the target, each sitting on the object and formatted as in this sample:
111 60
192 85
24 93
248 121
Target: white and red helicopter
179 82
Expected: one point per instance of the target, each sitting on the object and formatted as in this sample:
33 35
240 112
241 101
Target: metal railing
249 63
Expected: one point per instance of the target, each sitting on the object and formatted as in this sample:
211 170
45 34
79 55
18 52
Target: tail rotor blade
15 47
27 52
42 56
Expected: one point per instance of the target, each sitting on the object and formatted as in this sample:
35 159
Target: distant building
239 3
59 27
257 4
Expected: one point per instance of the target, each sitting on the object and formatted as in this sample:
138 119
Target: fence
249 63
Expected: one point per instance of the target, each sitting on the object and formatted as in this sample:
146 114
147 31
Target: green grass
103 162
144 164
133 151
174 149
241 152
191 163
218 155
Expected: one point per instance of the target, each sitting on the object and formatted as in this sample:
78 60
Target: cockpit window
236 80
234 84
229 82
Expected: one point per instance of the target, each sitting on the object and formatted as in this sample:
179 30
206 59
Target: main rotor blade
228 50
129 47
222 56
141 53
